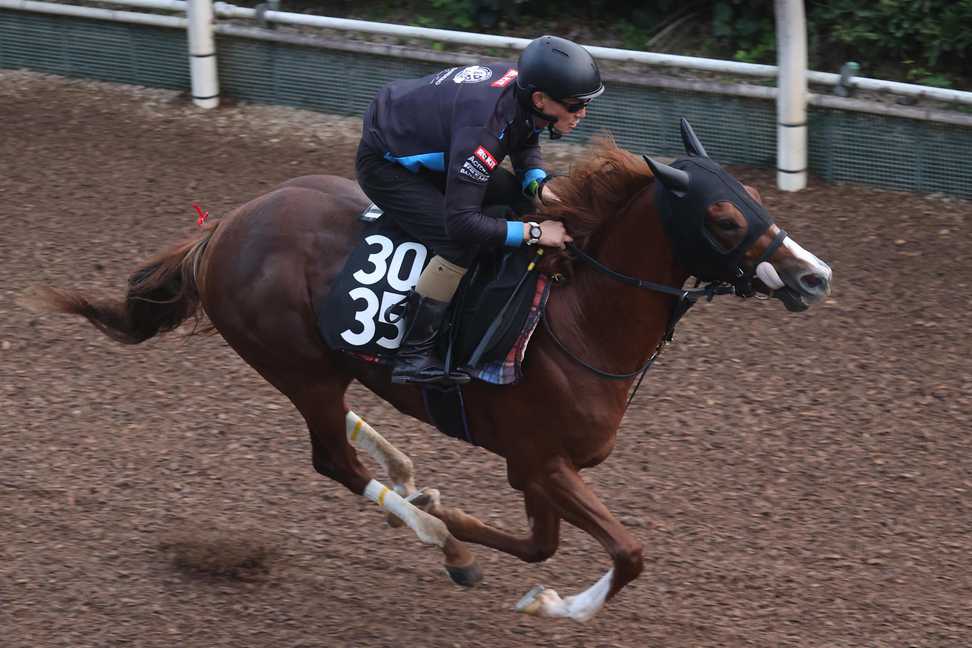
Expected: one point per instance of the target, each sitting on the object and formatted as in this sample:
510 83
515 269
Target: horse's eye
727 224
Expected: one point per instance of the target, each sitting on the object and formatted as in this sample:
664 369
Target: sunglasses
573 107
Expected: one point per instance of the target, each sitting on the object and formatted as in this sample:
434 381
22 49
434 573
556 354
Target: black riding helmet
559 68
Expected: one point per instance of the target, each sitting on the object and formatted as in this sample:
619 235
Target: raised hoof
543 602
425 499
468 576
530 603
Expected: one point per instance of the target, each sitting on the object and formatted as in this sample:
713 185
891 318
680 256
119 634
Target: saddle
495 311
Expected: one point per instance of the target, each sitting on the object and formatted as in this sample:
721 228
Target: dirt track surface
797 480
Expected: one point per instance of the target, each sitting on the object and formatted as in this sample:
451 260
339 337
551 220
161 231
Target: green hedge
920 41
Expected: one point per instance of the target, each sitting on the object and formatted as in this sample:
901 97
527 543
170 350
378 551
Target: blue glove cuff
532 180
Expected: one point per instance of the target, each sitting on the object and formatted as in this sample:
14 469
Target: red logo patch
486 157
504 80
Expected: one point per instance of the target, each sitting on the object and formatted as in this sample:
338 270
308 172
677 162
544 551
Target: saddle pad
382 269
497 307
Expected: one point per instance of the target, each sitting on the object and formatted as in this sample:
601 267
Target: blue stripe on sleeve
514 233
431 161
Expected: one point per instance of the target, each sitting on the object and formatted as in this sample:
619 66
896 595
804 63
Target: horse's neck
621 325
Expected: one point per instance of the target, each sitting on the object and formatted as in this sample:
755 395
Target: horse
641 229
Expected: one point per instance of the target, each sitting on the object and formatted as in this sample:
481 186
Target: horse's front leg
573 500
538 545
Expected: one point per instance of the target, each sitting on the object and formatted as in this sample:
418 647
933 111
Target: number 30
383 269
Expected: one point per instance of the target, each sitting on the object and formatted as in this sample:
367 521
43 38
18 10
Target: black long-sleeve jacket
462 122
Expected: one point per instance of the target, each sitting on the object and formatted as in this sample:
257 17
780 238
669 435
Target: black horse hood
683 215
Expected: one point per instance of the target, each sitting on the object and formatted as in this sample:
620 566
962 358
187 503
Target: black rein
686 299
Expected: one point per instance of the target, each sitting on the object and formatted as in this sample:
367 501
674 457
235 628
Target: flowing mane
597 188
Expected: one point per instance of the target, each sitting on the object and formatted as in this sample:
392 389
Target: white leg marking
430 530
394 461
544 602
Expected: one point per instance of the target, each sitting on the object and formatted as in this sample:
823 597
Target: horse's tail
162 294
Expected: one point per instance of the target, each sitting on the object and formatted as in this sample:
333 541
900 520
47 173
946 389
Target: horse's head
721 231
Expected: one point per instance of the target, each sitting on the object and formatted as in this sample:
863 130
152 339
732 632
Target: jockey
430 157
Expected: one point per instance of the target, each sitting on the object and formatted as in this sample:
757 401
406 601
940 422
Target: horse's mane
596 189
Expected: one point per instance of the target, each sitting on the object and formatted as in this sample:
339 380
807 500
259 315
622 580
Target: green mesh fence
307 77
94 49
891 152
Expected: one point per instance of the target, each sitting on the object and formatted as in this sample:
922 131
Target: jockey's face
568 112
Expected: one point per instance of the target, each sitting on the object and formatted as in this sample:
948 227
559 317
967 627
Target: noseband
743 283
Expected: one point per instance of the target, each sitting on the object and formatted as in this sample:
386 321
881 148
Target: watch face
536 232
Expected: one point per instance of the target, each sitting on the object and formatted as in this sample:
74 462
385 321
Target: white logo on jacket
474 170
478 165
443 75
473 74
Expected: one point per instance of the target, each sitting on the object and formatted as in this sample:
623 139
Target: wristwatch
535 234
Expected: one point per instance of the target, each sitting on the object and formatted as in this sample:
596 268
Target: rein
687 297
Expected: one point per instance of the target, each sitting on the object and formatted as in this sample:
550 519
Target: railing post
202 53
791 98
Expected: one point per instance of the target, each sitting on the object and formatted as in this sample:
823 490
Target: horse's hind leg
322 405
395 462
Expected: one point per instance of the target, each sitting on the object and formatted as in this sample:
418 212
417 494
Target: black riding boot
416 361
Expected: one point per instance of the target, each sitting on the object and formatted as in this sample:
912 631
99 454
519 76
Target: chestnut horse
640 231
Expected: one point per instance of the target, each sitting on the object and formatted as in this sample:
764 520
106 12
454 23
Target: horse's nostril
812 281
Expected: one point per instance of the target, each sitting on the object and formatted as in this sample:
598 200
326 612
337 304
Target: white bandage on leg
394 461
430 530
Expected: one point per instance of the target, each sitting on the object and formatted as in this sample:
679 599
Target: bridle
687 297
743 283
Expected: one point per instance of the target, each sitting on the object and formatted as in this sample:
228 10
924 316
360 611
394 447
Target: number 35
392 272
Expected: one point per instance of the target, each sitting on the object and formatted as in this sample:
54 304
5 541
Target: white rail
227 10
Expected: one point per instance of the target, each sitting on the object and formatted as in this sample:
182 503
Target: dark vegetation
917 41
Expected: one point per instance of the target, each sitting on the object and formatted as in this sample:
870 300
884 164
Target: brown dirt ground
797 480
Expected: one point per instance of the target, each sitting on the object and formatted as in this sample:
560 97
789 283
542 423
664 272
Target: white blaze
815 264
